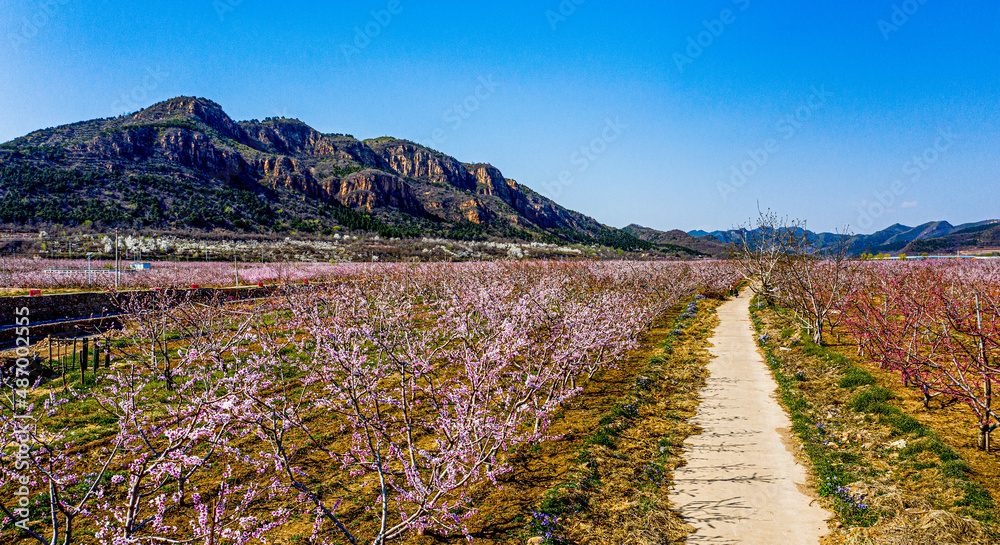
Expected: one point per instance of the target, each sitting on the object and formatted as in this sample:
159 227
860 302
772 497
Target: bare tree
759 249
814 279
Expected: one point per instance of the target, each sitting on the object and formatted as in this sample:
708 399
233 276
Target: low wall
47 308
63 307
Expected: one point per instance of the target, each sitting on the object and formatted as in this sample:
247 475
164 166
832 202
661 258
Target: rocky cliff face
475 211
372 189
191 140
282 171
490 181
163 145
283 137
191 109
414 161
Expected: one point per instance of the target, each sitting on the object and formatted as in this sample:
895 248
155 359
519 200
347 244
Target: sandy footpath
740 484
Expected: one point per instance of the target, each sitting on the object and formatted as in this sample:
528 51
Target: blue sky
672 116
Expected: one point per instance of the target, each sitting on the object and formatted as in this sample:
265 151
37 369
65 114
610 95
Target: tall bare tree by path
760 247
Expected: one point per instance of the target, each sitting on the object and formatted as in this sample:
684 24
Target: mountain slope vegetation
185 165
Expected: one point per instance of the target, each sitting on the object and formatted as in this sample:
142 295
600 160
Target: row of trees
938 326
934 323
373 406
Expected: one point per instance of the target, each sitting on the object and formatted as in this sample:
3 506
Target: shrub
872 400
955 469
905 423
932 444
854 377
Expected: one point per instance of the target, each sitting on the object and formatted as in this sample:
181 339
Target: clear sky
667 114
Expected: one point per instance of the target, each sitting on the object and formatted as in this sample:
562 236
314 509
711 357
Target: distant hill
679 240
185 165
982 238
935 236
921 239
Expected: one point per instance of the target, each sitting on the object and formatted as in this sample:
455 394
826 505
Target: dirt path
741 484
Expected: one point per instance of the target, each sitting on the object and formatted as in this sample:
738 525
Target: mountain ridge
898 238
186 164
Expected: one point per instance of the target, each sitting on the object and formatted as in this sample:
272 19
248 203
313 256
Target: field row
366 410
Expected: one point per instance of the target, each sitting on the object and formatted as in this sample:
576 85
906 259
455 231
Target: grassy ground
893 473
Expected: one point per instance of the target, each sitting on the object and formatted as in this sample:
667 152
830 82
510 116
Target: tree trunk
989 405
768 295
984 430
818 332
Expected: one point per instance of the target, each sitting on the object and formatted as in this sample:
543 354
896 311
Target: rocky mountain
184 164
